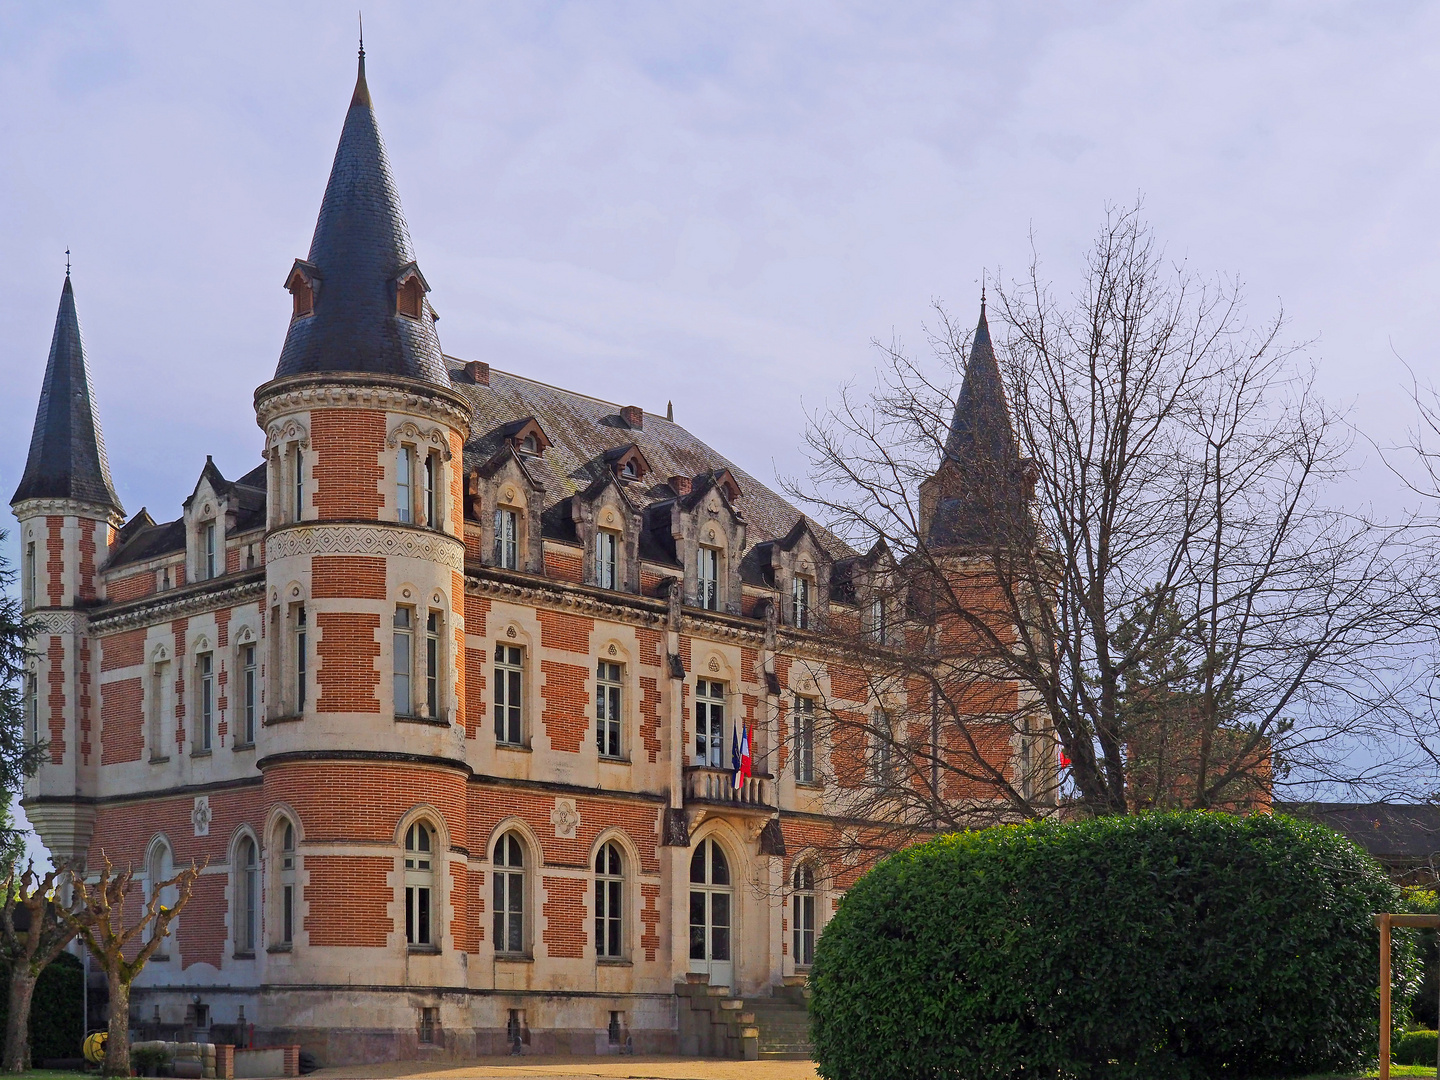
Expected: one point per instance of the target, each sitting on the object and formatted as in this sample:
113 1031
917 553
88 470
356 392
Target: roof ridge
563 389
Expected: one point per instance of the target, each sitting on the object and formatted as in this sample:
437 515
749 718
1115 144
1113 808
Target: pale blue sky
719 204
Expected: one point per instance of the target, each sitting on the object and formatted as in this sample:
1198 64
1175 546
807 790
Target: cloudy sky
715 204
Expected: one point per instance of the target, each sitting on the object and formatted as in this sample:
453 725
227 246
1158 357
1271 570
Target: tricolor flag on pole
740 755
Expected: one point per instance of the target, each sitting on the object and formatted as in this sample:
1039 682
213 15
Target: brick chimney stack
634 416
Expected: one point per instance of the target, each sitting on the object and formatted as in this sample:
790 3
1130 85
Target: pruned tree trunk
117 1042
17 1027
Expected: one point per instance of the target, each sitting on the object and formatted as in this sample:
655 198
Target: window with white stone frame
508 901
209 553
509 695
245 881
507 538
160 691
609 902
804 740
802 916
607 558
402 653
420 856
204 701
609 711
434 656
32 708
405 484
249 694
707 578
283 934
801 590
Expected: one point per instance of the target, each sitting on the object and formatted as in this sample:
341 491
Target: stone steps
783 1024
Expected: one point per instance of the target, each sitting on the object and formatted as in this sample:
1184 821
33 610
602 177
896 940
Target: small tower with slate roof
68 510
979 496
365 594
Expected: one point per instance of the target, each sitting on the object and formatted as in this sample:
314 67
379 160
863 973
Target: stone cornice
28 508
365 538
175 604
640 610
341 391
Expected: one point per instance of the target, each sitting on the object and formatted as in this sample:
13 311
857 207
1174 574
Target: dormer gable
605 508
799 567
209 517
506 501
721 481
627 462
303 284
411 289
526 435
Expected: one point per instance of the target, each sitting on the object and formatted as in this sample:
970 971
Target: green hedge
1415 1048
57 1011
1134 948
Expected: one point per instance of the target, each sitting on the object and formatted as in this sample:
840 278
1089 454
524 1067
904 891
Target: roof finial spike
361 15
670 411
982 294
67 262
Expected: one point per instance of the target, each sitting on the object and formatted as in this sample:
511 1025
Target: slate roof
361 245
142 538
583 430
981 447
1390 832
67 457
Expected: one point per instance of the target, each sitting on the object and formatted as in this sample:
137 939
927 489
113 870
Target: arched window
509 875
802 919
159 868
419 883
285 923
246 879
609 901
711 898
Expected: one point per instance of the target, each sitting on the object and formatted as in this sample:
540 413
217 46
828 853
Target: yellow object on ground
540 1067
94 1048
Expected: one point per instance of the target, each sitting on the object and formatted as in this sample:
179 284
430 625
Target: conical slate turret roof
986 500
67 451
360 248
980 430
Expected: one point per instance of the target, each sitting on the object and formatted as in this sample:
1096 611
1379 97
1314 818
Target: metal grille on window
509 672
607 709
609 901
509 895
710 723
419 883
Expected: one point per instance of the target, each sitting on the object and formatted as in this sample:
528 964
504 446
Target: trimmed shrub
1415 1048
1136 948
57 1011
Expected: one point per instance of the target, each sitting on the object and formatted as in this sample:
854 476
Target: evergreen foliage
1182 945
57 1012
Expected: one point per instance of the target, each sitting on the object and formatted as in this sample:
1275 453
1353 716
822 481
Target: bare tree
99 918
1123 587
30 948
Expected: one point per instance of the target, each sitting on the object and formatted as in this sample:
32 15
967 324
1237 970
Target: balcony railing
704 783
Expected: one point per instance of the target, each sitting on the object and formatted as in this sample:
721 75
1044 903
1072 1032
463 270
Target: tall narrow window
247 894
800 602
509 890
209 556
877 619
402 650
802 922
709 723
609 902
805 740
507 544
883 757
159 868
287 884
607 709
205 673
300 635
159 710
708 578
429 479
607 546
419 883
404 471
432 664
32 708
509 677
297 483
249 692
32 591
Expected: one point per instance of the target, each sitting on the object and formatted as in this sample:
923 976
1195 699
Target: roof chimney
679 484
634 416
478 372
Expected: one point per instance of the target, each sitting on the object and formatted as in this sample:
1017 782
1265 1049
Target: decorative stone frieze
169 605
28 508
338 391
377 539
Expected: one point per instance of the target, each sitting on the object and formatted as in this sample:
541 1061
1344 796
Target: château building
446 689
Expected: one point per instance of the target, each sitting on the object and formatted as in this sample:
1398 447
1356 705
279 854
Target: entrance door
711 914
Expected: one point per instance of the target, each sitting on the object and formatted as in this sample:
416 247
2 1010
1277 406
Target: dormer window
607 552
528 445
800 592
209 553
629 470
628 462
302 291
411 298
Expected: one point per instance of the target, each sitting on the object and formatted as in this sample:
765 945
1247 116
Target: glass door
711 914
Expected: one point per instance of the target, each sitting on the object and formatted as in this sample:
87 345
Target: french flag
740 755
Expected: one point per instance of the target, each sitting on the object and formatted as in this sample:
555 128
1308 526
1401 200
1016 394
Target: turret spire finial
361 16
67 262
